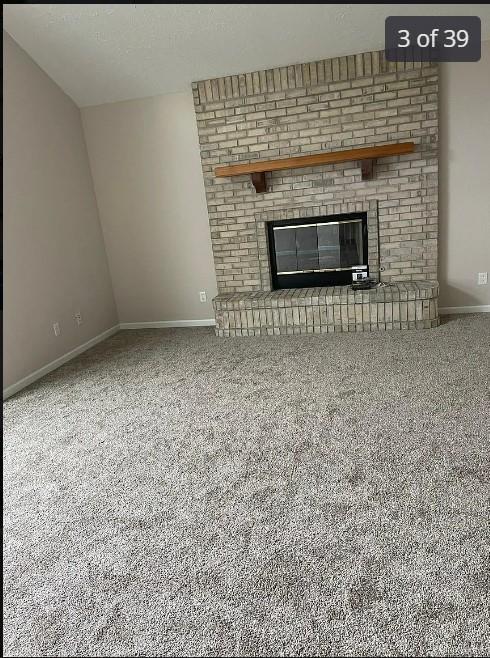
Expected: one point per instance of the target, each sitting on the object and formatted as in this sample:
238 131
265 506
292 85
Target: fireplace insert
318 251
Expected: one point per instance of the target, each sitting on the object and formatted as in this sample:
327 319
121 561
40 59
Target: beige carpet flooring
169 493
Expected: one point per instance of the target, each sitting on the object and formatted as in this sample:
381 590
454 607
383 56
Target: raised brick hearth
408 305
341 103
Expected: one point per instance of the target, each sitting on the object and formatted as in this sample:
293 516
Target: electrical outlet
56 328
78 318
202 296
482 278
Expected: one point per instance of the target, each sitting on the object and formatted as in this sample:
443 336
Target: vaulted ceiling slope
102 53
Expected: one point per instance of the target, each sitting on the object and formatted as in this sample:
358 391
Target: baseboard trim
208 322
450 310
37 374
45 370
162 324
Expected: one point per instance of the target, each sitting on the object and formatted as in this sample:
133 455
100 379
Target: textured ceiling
103 53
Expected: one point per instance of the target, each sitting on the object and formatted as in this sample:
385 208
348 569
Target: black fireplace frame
311 279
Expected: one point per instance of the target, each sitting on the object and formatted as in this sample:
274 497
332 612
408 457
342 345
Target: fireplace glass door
325 252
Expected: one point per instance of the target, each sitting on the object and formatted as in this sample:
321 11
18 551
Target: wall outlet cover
482 278
202 296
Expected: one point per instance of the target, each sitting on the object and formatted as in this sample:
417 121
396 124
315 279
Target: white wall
145 162
464 189
54 257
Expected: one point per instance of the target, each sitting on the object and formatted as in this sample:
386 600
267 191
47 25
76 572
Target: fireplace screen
317 252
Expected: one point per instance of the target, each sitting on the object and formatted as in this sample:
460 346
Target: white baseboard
450 310
209 322
37 374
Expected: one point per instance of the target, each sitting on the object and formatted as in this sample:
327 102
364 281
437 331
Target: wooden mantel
367 156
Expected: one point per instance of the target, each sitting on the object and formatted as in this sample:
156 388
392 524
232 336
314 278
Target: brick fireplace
330 105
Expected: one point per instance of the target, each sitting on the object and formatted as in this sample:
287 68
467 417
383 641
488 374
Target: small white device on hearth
359 275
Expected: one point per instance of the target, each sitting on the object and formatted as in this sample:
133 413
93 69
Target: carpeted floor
173 494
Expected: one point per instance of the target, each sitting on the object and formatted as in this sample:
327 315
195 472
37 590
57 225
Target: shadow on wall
454 296
464 194
450 294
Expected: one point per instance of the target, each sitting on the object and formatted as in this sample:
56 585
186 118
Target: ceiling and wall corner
464 170
102 53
